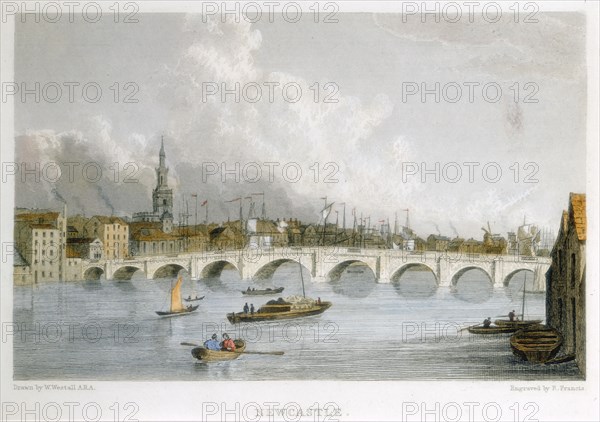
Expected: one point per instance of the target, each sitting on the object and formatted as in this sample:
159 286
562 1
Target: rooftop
577 208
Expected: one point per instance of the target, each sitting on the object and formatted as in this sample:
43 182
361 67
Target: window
560 263
36 233
51 234
50 275
574 323
560 313
573 269
43 273
44 234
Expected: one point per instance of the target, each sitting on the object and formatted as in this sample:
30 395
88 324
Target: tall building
565 280
162 197
113 232
40 239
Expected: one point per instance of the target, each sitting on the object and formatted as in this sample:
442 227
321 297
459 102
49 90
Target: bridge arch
168 271
266 271
93 273
400 271
125 272
215 268
336 272
510 276
459 273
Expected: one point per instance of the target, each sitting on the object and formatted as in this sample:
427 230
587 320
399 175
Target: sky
371 147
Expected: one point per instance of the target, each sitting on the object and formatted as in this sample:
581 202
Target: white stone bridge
323 264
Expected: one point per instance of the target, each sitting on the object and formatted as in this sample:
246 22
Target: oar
466 328
235 351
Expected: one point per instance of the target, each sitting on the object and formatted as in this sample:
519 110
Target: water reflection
357 281
416 283
93 284
473 286
514 289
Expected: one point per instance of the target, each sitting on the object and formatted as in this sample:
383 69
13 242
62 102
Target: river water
108 330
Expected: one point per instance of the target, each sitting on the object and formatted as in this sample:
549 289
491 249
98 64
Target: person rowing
487 322
227 343
213 343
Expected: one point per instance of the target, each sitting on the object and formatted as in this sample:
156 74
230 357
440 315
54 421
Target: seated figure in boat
227 343
213 343
248 289
246 309
252 309
487 322
512 316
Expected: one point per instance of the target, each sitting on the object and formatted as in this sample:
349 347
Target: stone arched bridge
323 263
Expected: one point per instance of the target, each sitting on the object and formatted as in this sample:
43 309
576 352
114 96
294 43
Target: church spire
162 196
162 155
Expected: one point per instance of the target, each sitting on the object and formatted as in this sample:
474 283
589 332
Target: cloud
93 169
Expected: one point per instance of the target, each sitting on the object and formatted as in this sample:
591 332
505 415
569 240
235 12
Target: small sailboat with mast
523 323
291 307
176 307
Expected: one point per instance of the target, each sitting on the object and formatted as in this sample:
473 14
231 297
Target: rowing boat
262 292
537 344
479 329
519 325
279 311
201 353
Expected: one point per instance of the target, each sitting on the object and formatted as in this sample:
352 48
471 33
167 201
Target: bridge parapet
325 263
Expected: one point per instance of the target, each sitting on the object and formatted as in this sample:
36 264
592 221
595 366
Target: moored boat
201 353
517 324
262 292
537 344
480 329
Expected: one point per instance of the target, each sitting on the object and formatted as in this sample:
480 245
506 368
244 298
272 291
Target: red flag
204 203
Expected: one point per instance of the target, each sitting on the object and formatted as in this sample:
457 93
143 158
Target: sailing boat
519 324
291 307
177 307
